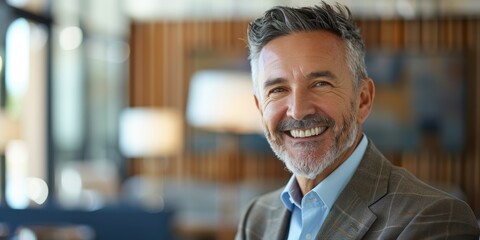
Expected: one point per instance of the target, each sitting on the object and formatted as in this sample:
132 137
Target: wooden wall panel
161 66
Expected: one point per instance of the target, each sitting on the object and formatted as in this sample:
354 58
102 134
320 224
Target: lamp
151 134
222 101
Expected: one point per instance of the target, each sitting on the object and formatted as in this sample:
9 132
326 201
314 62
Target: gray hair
280 21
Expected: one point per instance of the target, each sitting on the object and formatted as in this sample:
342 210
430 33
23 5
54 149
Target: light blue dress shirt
309 212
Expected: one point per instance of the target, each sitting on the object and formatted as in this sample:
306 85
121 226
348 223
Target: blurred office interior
135 119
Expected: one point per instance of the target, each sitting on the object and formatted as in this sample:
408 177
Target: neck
306 184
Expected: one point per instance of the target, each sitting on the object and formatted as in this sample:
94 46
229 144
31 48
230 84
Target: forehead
303 50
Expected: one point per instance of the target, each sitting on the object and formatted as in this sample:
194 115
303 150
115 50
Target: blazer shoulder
413 204
389 179
402 181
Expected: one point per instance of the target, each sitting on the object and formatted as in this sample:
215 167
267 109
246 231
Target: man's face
307 100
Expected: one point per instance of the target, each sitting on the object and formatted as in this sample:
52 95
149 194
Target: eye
321 84
276 91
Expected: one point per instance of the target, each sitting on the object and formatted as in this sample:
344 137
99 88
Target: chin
310 166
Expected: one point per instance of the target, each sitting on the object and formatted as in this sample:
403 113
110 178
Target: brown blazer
381 201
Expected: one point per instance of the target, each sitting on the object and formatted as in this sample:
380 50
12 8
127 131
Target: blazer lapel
276 218
280 222
350 216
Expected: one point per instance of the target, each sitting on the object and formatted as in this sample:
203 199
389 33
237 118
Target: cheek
272 114
339 111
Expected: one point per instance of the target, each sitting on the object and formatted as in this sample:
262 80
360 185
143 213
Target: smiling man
313 93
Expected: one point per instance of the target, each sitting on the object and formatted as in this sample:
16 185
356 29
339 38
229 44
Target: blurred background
134 119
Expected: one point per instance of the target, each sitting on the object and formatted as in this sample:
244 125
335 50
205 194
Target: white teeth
307 133
302 133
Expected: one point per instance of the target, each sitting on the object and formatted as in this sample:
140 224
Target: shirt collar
291 194
331 187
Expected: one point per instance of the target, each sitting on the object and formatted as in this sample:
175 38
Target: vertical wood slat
476 159
430 35
152 62
168 56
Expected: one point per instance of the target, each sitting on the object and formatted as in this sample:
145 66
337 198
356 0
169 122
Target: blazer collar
350 217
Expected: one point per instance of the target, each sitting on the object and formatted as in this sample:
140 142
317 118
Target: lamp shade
223 101
150 132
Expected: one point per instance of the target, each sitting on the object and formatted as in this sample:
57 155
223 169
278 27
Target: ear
366 97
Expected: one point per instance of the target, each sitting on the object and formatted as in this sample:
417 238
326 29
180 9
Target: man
313 93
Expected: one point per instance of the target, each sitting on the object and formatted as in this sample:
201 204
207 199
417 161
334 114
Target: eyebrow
321 74
310 76
273 81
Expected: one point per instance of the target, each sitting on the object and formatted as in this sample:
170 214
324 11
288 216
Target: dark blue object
107 223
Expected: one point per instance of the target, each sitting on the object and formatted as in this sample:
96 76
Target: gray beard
311 166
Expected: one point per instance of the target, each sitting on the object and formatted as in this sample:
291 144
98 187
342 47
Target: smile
299 133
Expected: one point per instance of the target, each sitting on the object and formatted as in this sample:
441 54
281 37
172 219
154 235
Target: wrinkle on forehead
319 46
304 47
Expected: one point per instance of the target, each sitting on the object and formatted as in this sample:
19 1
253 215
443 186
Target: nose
300 105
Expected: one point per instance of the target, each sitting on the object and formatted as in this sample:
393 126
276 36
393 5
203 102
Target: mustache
309 121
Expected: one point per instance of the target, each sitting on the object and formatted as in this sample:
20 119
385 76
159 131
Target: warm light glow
223 101
150 132
71 38
1 64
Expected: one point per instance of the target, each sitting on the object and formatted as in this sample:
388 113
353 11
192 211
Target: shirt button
308 236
